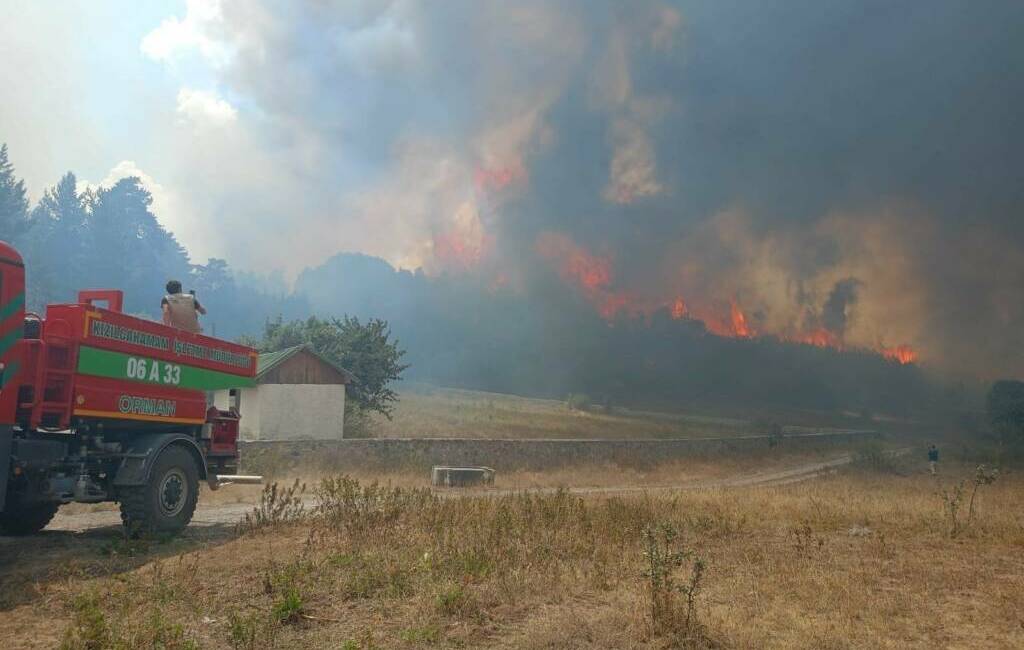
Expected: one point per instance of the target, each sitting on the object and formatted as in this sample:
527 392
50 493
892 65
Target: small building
299 395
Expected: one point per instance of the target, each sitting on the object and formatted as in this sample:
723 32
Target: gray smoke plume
840 301
860 159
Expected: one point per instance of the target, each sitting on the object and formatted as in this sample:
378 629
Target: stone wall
419 454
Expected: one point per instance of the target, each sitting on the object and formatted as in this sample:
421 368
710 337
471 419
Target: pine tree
131 250
13 200
57 246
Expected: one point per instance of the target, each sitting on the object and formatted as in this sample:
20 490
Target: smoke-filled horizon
839 173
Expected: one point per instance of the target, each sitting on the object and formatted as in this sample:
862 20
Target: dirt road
219 515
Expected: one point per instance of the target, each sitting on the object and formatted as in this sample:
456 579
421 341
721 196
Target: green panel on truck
133 367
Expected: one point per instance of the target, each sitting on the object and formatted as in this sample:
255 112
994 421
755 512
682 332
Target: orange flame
739 321
591 274
902 354
457 251
732 324
576 264
678 309
820 338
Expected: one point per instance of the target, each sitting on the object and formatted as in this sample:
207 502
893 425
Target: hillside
426 411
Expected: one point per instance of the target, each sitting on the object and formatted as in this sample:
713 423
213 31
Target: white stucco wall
290 411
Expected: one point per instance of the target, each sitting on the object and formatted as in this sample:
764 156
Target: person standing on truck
181 310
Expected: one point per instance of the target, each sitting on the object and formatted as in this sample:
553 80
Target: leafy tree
13 200
110 238
365 349
1005 405
213 277
215 288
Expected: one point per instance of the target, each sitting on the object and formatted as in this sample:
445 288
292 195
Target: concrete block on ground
441 476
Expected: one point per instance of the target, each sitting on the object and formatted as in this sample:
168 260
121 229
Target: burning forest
592 182
592 276
599 323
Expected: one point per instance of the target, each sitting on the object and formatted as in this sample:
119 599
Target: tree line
459 329
76 238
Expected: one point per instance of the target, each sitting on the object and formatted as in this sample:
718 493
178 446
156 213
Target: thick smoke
840 301
840 172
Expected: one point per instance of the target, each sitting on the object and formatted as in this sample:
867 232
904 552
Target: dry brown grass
860 559
426 411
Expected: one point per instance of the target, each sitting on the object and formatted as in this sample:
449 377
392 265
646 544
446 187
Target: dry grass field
426 411
864 558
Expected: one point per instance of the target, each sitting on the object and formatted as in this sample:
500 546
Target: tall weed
277 505
673 603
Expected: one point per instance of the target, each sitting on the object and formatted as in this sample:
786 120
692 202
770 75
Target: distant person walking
933 458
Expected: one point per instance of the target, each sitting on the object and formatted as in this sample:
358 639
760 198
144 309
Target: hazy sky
81 95
379 126
248 118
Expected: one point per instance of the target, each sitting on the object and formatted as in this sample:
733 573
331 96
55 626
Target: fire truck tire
166 503
27 520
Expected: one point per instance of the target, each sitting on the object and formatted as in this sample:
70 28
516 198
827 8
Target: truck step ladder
55 373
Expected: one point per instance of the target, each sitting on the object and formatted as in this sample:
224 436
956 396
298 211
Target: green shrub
953 498
277 506
673 604
288 608
89 629
244 631
456 601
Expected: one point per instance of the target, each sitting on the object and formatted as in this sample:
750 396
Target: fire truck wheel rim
173 492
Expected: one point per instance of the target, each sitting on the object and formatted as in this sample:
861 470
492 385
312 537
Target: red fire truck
97 405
